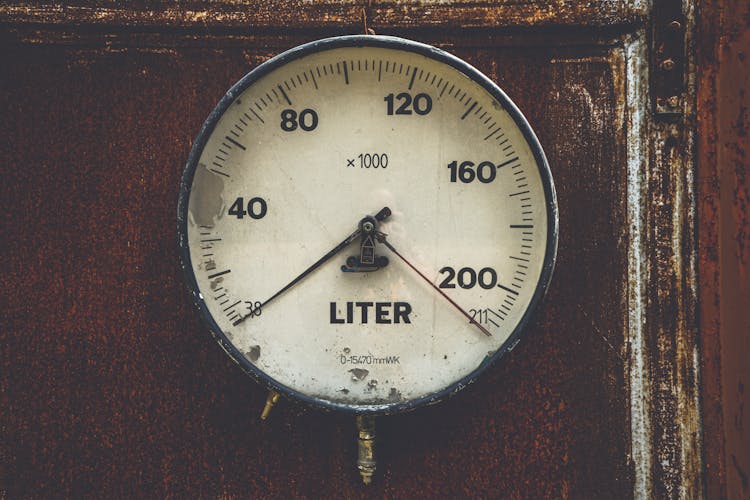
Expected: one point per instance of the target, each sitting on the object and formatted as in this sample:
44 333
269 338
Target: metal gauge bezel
389 43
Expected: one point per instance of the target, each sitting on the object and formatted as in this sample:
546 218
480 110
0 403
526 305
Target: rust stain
724 225
316 14
559 427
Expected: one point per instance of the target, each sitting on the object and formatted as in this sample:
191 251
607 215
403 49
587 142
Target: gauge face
366 223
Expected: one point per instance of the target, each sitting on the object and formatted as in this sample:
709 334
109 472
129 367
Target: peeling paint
206 203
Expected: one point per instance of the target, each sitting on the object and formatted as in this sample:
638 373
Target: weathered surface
724 244
672 332
111 387
327 14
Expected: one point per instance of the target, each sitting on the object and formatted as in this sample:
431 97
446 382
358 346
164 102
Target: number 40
256 208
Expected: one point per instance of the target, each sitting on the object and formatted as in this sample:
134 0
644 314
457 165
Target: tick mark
413 75
509 290
235 143
257 116
212 276
497 313
284 94
443 91
469 111
233 305
315 82
492 133
507 162
218 172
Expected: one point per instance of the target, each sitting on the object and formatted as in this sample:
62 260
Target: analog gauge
366 223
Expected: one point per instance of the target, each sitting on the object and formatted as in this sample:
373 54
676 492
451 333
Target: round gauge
366 223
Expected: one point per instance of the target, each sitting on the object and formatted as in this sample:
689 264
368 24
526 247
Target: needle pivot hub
367 261
368 224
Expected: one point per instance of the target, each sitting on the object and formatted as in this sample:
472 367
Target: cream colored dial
298 160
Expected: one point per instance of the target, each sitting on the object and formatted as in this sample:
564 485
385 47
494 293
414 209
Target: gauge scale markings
410 85
411 82
337 297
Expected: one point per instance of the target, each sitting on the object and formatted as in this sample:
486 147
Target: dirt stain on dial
253 354
359 374
394 395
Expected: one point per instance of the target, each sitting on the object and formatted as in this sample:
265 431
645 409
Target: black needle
381 239
385 212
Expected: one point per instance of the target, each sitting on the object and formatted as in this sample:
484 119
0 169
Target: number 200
468 277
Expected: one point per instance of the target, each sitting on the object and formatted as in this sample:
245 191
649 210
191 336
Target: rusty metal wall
724 243
111 386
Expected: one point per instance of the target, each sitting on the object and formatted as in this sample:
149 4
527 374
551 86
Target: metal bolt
368 226
667 64
673 101
675 25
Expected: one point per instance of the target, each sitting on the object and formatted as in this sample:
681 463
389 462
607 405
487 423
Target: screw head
368 226
667 64
673 101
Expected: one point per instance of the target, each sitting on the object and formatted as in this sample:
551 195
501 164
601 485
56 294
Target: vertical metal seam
636 80
690 449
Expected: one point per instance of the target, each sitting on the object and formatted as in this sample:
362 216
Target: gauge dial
366 223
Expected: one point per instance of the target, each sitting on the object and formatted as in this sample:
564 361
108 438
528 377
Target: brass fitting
366 447
271 400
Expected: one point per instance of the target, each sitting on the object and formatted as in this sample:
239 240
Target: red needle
381 239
